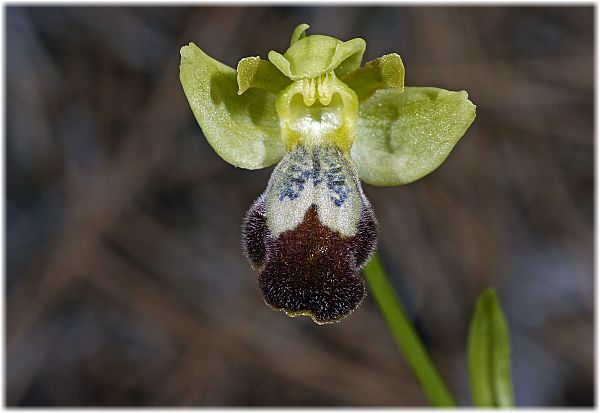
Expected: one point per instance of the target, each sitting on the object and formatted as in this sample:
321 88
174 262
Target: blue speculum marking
321 165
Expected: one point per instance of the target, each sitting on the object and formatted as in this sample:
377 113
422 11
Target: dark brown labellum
310 270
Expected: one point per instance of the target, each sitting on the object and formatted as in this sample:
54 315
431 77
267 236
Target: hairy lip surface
309 270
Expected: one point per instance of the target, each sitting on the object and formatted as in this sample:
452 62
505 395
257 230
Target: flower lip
315 55
313 271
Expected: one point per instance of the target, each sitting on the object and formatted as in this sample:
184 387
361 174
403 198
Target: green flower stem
405 335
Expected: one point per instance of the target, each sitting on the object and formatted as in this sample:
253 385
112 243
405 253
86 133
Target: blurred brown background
125 281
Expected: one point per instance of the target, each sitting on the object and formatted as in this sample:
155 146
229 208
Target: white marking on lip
312 127
288 202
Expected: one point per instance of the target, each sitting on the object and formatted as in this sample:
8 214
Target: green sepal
386 72
312 56
299 33
262 74
403 136
243 130
488 354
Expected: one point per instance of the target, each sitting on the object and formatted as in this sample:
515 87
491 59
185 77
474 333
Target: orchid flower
328 123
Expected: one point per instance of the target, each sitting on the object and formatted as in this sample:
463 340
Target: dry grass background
124 277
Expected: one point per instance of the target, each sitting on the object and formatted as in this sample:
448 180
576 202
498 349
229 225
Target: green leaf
382 73
243 130
403 136
489 354
261 74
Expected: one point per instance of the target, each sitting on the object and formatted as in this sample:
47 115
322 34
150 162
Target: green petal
315 55
261 74
347 57
489 354
299 33
243 130
281 63
403 136
382 73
